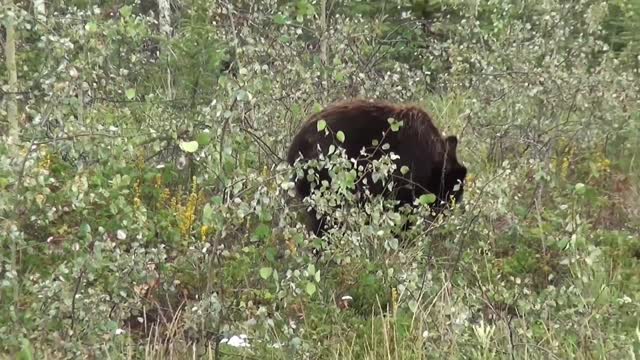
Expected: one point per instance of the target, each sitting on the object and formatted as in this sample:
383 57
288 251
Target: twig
73 137
511 343
263 144
75 294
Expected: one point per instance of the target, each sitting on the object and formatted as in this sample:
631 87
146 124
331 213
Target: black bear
430 158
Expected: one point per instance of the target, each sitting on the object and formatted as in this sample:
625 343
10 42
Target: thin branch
75 294
12 74
74 137
263 144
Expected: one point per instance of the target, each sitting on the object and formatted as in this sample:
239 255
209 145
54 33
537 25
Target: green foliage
147 211
622 28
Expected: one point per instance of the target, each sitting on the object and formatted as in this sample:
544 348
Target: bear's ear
452 144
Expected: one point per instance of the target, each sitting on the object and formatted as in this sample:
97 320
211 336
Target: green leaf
580 188
562 243
85 230
321 125
263 232
317 276
203 138
271 253
427 199
266 272
242 95
310 288
404 170
91 26
125 11
189 146
311 269
395 125
340 136
305 8
130 93
280 19
265 216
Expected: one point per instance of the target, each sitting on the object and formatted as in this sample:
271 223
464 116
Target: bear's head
452 180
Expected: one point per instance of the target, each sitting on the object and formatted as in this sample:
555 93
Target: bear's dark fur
430 157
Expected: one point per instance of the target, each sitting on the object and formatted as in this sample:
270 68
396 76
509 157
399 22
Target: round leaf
189 146
262 232
243 95
130 93
321 125
311 288
91 26
125 11
427 199
280 19
266 272
311 269
203 138
340 136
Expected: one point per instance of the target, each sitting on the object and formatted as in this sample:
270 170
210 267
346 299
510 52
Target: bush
147 211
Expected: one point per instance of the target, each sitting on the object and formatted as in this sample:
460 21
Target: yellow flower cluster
603 165
137 195
204 231
470 181
564 168
140 160
186 214
164 196
564 163
45 163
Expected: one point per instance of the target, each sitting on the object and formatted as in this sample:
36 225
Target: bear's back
364 121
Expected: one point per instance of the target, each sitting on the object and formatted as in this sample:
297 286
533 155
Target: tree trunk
164 10
323 37
12 74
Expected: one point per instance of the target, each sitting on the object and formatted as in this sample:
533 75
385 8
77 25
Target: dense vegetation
146 210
